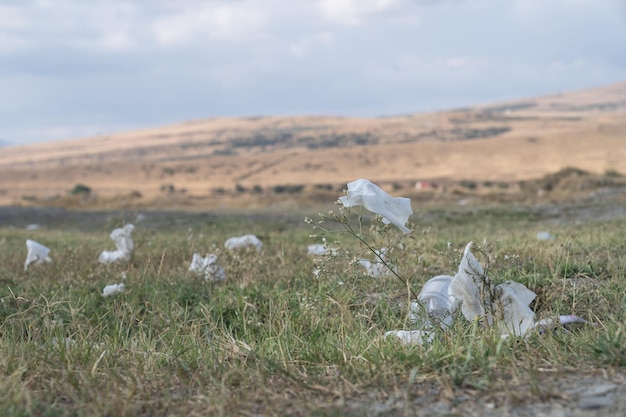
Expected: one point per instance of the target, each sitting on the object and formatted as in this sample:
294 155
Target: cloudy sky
75 68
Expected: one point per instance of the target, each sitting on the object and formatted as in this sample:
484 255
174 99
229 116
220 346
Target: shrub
81 189
470 185
291 189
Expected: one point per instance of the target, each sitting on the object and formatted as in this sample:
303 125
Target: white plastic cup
435 302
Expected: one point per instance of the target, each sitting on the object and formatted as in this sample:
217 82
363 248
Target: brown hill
261 160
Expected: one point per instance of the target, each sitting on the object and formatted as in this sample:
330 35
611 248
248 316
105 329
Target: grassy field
276 339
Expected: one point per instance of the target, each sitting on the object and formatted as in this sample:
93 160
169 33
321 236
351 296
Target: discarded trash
316 249
67 341
124 244
375 269
242 242
113 289
544 236
505 305
394 210
378 268
37 253
568 322
207 267
434 304
412 336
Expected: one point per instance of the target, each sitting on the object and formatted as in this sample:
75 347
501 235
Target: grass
274 339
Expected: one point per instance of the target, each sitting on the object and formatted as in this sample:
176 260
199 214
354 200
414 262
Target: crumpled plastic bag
412 336
242 242
124 244
113 289
504 305
37 253
394 210
568 322
316 249
375 269
207 267
378 269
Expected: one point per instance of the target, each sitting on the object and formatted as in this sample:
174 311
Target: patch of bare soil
549 394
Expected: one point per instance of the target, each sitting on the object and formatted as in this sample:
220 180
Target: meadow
274 338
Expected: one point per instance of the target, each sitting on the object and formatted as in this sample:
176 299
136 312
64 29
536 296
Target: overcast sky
75 68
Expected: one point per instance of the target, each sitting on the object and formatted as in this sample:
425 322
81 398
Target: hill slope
213 159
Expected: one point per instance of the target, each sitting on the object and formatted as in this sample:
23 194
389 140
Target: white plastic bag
378 268
469 288
316 249
124 244
394 210
242 242
412 336
113 289
505 305
37 253
207 267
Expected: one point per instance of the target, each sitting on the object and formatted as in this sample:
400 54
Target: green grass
274 339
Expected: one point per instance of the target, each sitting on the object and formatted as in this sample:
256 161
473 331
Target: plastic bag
37 253
316 249
505 305
113 289
412 336
394 210
378 268
207 267
242 242
124 244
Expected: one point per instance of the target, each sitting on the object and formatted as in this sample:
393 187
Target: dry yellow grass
508 142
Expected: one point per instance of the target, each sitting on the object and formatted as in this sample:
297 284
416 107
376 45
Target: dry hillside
267 159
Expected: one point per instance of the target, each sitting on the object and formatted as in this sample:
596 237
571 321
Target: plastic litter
57 342
394 210
207 267
113 289
544 235
124 244
434 304
505 305
242 242
568 322
378 269
37 254
412 336
316 249
375 269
